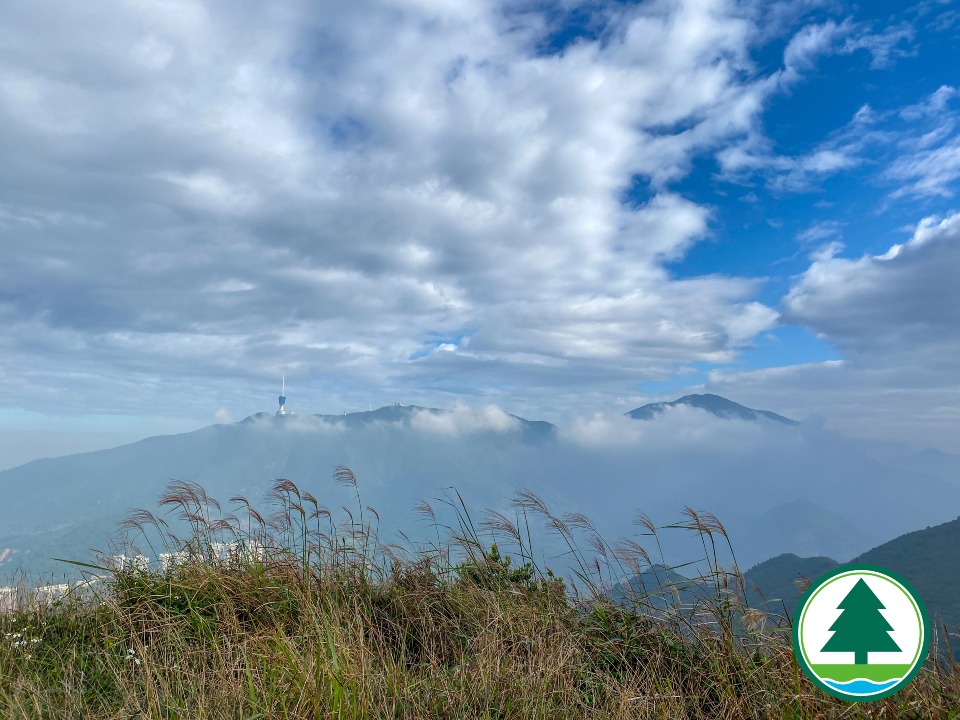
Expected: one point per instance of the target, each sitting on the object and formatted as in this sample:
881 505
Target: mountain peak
715 404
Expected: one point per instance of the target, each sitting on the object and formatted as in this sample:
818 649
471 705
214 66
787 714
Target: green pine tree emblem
861 629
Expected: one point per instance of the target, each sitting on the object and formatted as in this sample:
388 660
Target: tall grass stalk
310 617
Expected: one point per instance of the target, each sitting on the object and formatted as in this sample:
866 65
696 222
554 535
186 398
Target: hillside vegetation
929 560
314 618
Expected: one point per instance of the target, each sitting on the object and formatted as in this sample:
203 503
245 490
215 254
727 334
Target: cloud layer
196 191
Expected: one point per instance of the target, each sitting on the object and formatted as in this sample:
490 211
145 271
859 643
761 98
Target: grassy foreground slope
309 618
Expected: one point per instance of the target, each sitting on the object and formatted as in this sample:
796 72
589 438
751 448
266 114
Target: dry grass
327 622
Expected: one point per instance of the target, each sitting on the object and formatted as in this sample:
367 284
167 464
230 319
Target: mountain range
778 486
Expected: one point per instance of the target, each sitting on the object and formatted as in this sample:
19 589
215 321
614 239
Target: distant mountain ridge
714 404
777 584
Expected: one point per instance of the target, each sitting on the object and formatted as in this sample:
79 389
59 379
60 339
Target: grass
317 618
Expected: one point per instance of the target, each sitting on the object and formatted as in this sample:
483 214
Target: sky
557 208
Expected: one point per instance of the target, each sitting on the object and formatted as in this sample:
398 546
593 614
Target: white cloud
934 105
845 38
850 147
821 230
928 173
297 423
895 318
915 147
927 164
231 285
899 301
345 189
675 430
884 46
463 420
902 408
808 45
799 173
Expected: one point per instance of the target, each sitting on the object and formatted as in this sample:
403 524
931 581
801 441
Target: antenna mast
283 394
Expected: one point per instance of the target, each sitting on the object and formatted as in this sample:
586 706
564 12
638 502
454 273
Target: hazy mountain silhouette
804 527
777 584
662 587
932 462
714 404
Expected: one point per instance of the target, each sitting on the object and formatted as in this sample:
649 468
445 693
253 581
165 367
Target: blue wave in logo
861 686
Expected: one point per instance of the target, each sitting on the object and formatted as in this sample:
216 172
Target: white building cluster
216 554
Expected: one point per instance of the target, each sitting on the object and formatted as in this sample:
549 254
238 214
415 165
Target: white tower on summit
283 397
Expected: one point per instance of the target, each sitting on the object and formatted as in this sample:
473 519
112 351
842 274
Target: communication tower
283 396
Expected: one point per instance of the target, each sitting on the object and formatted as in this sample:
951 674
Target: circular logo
860 633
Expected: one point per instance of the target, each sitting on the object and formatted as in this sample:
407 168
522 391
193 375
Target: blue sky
555 207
